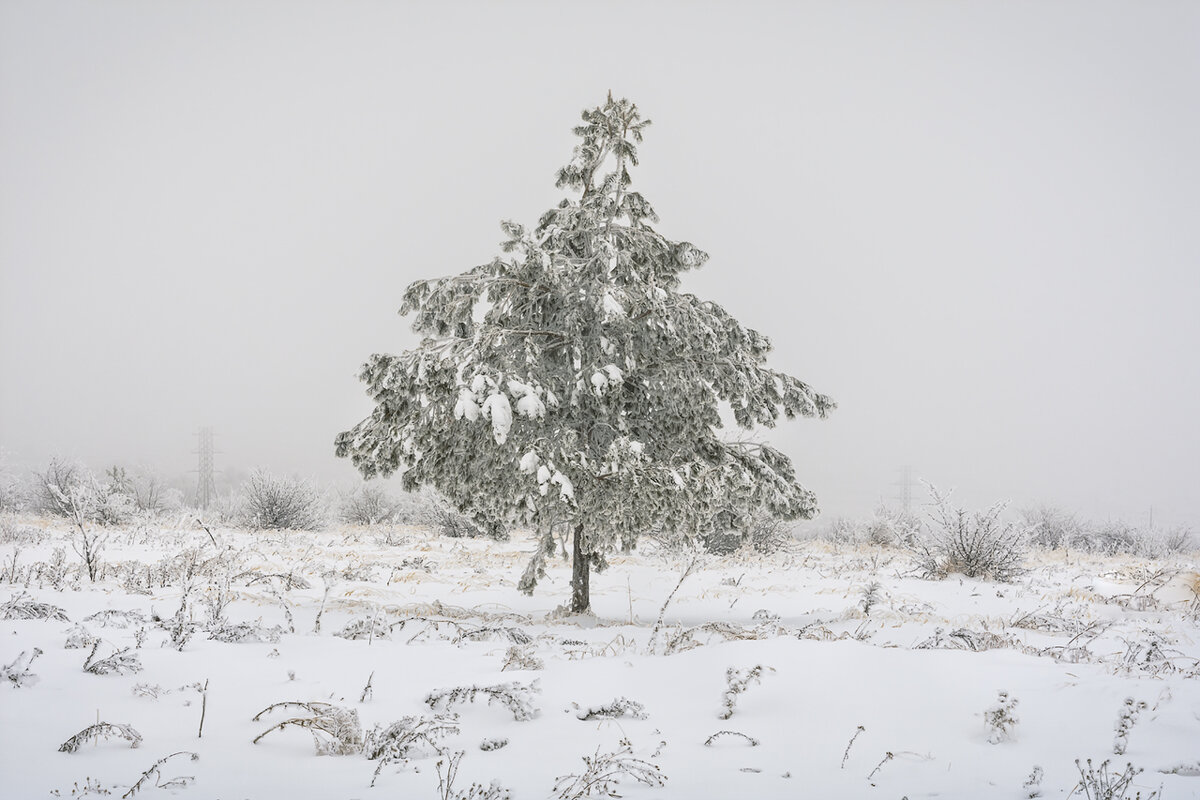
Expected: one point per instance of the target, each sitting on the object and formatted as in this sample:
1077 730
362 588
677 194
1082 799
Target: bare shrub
407 738
235 632
750 740
769 534
18 673
1101 784
737 681
446 520
116 618
13 494
619 707
54 484
121 662
335 730
66 489
1162 543
155 772
1000 719
1128 717
145 489
489 633
476 791
19 606
101 730
516 697
892 527
79 638
1177 539
269 502
369 628
1054 528
603 772
977 544
522 658
368 505
722 543
1112 537
760 533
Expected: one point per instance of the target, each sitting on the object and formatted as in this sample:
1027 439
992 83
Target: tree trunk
581 600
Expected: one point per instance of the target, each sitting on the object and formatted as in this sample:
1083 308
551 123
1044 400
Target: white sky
973 224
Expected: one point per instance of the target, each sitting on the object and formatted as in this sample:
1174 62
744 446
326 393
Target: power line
206 489
906 483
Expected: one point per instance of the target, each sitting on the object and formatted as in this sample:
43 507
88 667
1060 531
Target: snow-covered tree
571 382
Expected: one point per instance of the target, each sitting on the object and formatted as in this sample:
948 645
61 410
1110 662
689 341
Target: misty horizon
972 226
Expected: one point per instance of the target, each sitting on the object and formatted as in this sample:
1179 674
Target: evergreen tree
571 382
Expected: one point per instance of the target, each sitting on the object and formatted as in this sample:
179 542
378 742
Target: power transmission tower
206 489
906 484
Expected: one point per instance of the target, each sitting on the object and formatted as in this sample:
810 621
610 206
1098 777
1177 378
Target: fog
973 224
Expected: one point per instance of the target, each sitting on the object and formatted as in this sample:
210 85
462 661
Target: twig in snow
691 565
888 757
367 692
156 769
846 755
709 741
203 711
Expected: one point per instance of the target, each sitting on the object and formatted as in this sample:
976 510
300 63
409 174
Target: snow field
1070 640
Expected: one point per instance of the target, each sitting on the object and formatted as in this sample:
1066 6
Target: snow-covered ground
1069 641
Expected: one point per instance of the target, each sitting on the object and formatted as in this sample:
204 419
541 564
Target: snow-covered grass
827 671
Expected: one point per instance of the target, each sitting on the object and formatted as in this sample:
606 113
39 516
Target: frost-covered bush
335 730
761 533
604 771
978 544
101 730
1157 542
407 738
737 681
1052 527
890 527
14 495
270 502
1103 784
886 527
619 707
522 658
1111 537
476 791
19 606
446 520
66 489
368 505
53 486
121 662
1175 540
519 698
770 535
1000 719
843 530
722 543
18 673
149 494
1130 711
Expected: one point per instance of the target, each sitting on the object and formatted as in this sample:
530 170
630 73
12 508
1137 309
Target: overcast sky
975 225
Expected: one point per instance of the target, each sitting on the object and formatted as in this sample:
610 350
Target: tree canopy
571 381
